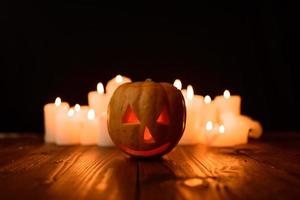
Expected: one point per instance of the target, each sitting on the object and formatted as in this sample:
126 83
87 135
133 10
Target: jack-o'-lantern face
146 119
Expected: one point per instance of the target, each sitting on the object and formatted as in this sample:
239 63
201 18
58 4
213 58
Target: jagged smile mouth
145 153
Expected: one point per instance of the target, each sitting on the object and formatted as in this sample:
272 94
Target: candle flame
100 88
209 125
177 84
71 112
221 129
207 99
77 107
119 78
91 114
57 101
190 92
226 94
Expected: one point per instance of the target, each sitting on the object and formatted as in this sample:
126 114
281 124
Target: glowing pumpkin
146 119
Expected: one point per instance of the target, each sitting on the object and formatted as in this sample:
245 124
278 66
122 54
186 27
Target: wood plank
105 174
280 151
80 172
14 146
263 169
244 172
171 174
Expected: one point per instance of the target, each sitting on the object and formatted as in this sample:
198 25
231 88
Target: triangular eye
130 116
163 118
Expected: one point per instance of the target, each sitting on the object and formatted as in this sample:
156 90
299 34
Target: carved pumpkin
146 119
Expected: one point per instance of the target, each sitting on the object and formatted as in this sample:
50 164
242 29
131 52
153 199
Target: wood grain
259 170
73 172
263 169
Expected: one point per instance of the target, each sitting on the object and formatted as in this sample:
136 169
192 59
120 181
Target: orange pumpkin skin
146 119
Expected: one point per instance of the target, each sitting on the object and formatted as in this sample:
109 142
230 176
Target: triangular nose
147 136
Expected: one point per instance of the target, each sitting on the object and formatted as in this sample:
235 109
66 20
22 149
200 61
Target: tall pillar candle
104 138
208 117
98 99
50 114
193 106
208 111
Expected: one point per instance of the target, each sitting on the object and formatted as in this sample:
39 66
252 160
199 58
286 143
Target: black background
64 49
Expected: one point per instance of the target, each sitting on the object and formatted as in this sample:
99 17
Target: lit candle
177 84
80 112
98 100
50 114
193 114
103 135
114 83
71 125
77 108
228 103
68 132
207 133
232 131
236 131
208 111
90 129
104 138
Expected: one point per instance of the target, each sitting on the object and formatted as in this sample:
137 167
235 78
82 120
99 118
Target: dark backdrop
64 49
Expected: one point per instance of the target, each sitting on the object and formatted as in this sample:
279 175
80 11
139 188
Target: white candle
236 128
255 128
70 125
80 112
104 138
193 114
90 129
232 131
68 132
50 114
228 103
98 100
114 83
208 111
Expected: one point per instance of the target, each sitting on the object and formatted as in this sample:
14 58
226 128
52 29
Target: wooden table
265 169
